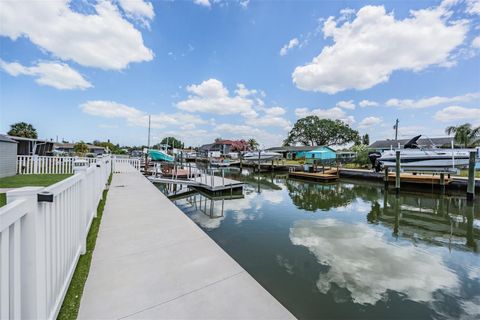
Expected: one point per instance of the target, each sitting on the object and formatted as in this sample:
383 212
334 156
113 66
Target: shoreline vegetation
71 303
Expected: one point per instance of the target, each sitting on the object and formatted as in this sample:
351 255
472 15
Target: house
222 148
346 156
8 156
320 154
292 152
29 146
382 145
68 148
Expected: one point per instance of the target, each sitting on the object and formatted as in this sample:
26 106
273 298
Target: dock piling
397 172
471 177
385 179
442 183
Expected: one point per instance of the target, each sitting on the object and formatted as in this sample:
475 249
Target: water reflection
361 260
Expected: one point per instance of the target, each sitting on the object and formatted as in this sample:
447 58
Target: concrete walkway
152 261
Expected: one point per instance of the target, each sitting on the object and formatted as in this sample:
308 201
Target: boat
262 155
413 157
158 155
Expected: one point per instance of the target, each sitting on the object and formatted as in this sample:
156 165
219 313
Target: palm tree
253 144
465 134
22 129
80 148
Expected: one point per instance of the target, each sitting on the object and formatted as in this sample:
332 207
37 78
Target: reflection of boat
219 163
263 155
158 155
412 157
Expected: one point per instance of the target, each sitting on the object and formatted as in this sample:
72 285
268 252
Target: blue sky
85 70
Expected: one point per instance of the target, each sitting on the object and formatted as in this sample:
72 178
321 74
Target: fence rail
64 165
43 232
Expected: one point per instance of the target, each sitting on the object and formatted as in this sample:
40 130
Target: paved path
152 261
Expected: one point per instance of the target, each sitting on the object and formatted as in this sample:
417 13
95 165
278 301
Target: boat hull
157 155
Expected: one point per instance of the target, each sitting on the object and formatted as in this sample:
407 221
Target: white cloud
430 101
138 10
476 42
290 45
369 122
205 3
454 113
136 117
53 74
332 113
361 260
473 7
368 103
346 104
212 96
244 3
104 40
368 49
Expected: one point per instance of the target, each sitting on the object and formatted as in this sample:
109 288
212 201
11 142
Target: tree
80 148
366 139
172 142
114 149
464 134
252 144
312 130
23 129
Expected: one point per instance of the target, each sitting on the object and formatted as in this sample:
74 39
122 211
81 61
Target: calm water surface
348 249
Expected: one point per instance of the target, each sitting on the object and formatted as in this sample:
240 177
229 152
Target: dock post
397 172
385 179
471 177
259 161
223 177
442 183
241 163
273 166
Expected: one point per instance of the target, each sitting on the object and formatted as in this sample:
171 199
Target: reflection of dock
419 179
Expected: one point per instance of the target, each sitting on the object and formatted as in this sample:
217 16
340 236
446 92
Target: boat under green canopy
157 155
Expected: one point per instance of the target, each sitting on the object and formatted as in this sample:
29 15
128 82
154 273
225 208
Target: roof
28 139
293 148
5 138
321 149
382 144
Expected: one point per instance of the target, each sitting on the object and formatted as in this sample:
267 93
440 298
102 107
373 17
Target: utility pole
396 130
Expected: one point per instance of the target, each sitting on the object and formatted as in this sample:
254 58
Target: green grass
71 303
464 173
3 199
34 180
29 180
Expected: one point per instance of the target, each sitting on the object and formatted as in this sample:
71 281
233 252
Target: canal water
349 250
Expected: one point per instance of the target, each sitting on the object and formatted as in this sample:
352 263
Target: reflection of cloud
284 263
363 262
272 196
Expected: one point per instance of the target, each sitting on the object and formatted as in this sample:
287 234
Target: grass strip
3 199
31 180
71 303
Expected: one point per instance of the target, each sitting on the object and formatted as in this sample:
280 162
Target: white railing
125 165
43 232
64 165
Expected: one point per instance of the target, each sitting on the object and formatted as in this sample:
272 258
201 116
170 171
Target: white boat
412 157
219 163
263 155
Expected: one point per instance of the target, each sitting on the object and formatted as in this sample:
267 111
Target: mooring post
385 179
241 162
397 172
471 177
272 165
259 161
442 183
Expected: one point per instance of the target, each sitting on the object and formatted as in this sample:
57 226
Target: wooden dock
207 182
418 179
326 176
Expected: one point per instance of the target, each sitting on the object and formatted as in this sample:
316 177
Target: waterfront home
222 148
68 148
292 152
320 154
383 145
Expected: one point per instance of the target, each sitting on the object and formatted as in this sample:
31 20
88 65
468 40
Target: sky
203 69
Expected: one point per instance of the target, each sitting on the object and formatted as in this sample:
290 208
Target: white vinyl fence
43 232
125 165
64 165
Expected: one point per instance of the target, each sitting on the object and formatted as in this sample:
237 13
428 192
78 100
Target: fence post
80 167
33 273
